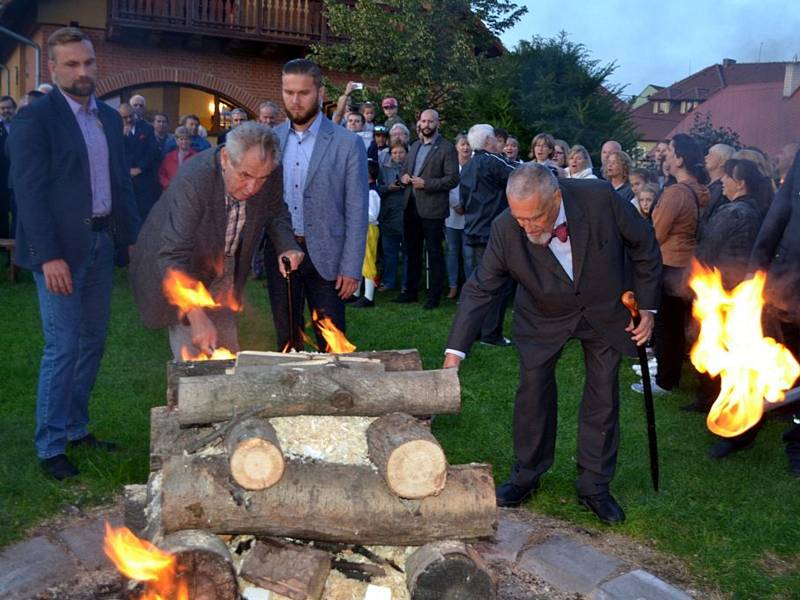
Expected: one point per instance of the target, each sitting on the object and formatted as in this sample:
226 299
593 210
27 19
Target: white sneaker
652 366
657 389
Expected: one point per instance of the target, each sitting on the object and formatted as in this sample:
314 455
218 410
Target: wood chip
338 440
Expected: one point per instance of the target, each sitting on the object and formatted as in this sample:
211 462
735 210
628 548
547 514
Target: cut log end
257 464
204 564
448 569
417 469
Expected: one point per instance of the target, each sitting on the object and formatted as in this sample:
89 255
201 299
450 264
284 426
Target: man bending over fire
206 226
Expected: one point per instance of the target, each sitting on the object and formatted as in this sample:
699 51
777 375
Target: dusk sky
662 43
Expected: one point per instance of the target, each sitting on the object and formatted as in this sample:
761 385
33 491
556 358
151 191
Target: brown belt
300 239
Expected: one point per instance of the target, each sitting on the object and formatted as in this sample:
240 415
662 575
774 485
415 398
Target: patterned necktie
561 232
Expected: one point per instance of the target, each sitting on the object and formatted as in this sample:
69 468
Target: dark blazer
186 230
440 172
548 304
142 152
777 247
4 163
50 176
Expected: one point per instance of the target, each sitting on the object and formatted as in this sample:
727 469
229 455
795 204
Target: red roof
703 84
758 112
655 127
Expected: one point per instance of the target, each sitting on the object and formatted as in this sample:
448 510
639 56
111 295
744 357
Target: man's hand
346 286
418 183
57 276
135 171
451 361
459 210
405 179
349 88
204 334
642 333
295 258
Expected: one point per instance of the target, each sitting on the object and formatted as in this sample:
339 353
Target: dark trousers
306 285
492 327
535 411
7 207
670 330
430 232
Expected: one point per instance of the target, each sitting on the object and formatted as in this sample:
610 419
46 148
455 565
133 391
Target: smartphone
358 86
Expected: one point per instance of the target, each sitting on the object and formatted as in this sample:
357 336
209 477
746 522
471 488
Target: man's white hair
529 179
478 134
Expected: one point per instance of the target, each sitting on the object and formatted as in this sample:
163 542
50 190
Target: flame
142 561
731 344
335 339
218 354
187 293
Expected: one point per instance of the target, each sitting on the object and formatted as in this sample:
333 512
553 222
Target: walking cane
287 267
630 302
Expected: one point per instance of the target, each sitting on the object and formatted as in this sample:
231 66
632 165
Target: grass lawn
736 523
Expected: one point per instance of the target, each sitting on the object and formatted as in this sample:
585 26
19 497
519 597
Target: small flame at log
336 340
140 560
187 293
731 345
218 354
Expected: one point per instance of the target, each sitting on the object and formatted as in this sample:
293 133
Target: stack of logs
218 469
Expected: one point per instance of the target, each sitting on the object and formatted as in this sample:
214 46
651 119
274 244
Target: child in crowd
391 216
369 270
368 110
646 199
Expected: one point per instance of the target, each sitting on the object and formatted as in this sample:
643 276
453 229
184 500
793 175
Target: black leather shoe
696 407
510 495
89 441
605 507
431 304
405 299
364 303
726 447
59 467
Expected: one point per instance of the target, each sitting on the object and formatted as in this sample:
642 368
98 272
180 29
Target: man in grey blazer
207 225
326 191
431 171
565 245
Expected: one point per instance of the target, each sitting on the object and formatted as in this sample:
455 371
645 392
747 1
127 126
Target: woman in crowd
616 171
454 224
542 148
639 177
579 163
675 220
764 167
560 154
511 149
175 158
392 194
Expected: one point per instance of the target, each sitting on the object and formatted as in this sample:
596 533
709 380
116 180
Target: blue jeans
390 244
74 328
456 248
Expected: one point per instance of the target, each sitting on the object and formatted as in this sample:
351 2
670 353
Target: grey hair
401 127
478 134
252 134
578 149
269 104
239 111
531 179
724 151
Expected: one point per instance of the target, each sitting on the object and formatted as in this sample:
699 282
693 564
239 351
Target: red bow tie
561 232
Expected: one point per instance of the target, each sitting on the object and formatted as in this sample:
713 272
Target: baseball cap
389 102
380 130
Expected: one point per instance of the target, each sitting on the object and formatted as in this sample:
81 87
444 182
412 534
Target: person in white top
579 163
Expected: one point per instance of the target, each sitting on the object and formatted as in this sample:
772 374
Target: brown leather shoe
453 293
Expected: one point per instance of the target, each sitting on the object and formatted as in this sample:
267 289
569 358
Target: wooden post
407 455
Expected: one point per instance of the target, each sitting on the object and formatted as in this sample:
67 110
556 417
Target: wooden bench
10 245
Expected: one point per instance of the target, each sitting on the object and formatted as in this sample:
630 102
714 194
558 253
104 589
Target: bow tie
561 232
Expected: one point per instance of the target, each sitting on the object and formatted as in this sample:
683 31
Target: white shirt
562 250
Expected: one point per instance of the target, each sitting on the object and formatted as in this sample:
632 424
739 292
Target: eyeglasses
389 106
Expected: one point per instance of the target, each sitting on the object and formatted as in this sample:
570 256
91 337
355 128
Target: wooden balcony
294 22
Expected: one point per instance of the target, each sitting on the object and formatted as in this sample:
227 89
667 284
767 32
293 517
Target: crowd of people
331 211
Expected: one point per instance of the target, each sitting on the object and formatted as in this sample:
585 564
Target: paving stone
86 542
638 585
32 566
511 536
569 566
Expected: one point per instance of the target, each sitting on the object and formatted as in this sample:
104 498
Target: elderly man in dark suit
141 150
565 245
207 225
326 192
777 251
431 171
74 194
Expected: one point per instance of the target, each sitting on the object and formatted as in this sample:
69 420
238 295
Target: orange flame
142 561
336 340
731 344
218 354
187 293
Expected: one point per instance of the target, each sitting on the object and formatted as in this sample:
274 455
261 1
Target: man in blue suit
75 200
326 190
144 158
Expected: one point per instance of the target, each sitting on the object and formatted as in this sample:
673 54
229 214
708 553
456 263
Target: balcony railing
287 21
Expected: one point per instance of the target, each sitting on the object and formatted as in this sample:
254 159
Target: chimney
791 78
727 62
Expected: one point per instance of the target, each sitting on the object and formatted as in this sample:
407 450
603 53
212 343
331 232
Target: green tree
549 85
707 135
423 52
